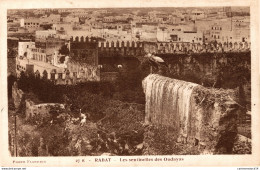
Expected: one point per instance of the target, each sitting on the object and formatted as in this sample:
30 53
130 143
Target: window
45 74
60 75
174 37
53 76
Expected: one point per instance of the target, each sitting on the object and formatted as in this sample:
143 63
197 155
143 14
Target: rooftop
41 64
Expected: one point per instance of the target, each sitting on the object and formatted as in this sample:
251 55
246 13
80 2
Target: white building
227 30
179 36
56 60
21 22
23 48
234 36
197 14
62 27
30 23
53 18
37 54
145 32
71 19
45 34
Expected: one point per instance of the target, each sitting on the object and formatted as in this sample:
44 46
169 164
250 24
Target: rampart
210 69
182 115
108 48
186 47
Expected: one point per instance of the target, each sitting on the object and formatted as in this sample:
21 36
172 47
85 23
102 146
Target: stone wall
43 109
120 49
208 67
137 47
84 51
32 109
83 72
185 47
186 118
108 76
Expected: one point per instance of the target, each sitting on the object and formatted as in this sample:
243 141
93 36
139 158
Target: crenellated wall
183 47
109 48
182 115
136 48
120 43
83 39
84 51
120 49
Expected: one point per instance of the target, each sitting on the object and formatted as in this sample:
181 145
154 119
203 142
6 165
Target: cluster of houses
178 25
67 43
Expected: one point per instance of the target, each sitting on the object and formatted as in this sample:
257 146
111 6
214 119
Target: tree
11 79
64 50
11 52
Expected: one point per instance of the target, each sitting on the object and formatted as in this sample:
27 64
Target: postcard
129 83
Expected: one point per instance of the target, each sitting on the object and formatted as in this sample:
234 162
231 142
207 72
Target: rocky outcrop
242 145
186 118
43 110
17 95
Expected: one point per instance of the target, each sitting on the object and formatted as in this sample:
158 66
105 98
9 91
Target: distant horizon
232 7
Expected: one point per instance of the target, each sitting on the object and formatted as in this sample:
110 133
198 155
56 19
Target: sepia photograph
129 81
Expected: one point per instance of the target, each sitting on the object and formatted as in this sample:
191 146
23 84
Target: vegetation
111 107
115 110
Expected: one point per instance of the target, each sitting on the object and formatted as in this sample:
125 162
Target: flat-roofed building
23 48
30 23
